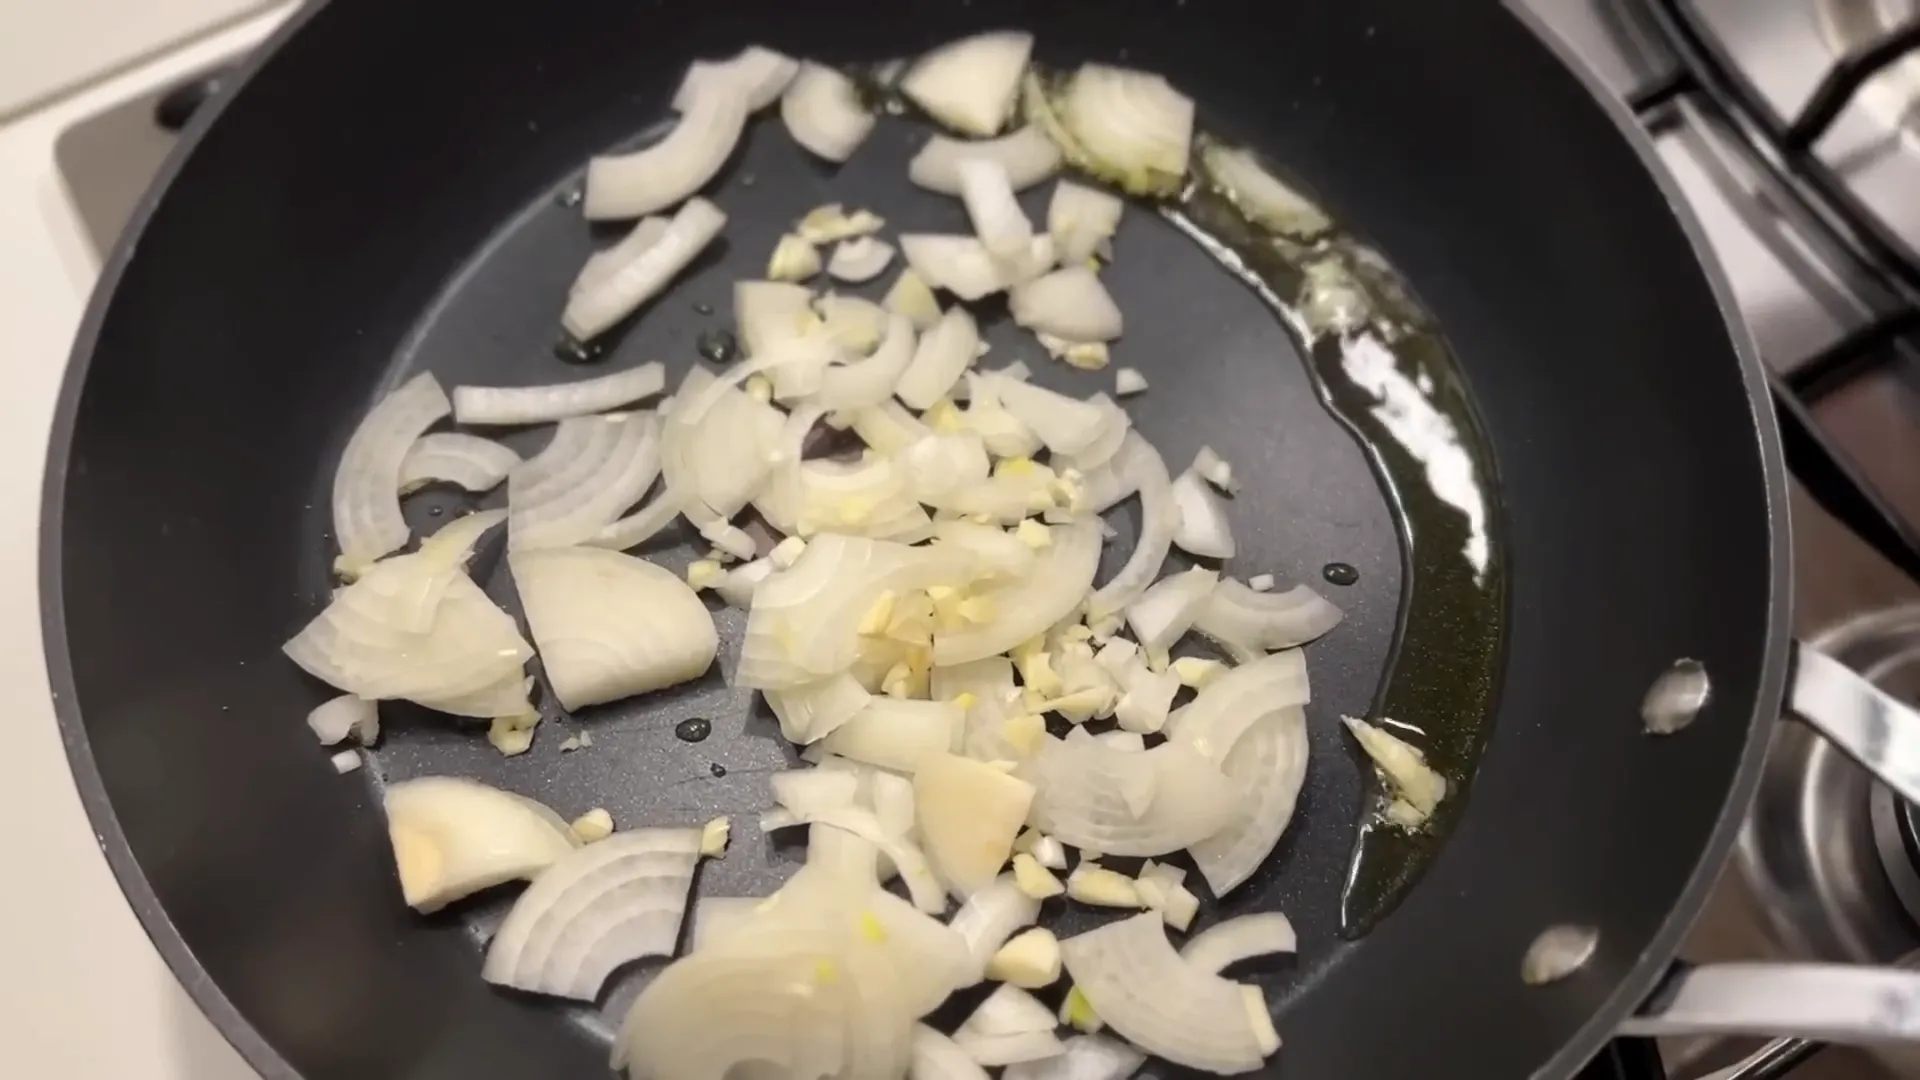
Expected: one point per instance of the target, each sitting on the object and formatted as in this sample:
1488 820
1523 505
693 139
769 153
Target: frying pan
383 196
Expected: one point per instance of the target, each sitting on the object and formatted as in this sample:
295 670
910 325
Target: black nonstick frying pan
385 194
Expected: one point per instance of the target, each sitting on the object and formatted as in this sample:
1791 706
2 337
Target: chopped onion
1165 612
1124 740
888 427
896 734
738 586
346 761
793 259
922 886
1142 470
590 312
560 401
987 686
831 223
1266 766
602 264
714 917
769 313
1260 583
346 715
992 915
912 297
759 73
453 837
1204 529
987 192
970 85
968 813
842 855
721 456
366 486
1127 382
601 906
939 467
473 463
1255 622
858 498
662 175
1024 609
822 111
959 264
1083 1057
1002 555
1226 943
1009 1010
815 710
1091 795
936 1057
609 625
944 353
805 791
1081 219
1069 303
988 417
1231 703
1106 445
1011 1049
1130 975
595 468
860 259
1065 425
1027 155
1132 128
1259 194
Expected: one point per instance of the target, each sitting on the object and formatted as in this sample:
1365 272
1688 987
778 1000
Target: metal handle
1843 1003
1865 722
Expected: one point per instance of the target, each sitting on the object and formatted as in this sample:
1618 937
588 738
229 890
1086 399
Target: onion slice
862 258
968 813
1066 425
600 906
469 461
987 191
1069 303
1237 616
1143 471
1027 155
1082 1057
602 264
758 72
595 467
1122 802
591 311
676 167
1130 975
559 401
1266 767
992 915
367 522
1258 193
960 264
1165 612
1130 128
335 719
1024 609
871 381
898 734
1204 528
453 837
970 85
943 354
936 1057
1081 220
1244 937
922 886
822 111
609 625
814 711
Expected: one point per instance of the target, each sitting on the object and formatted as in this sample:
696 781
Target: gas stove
1791 126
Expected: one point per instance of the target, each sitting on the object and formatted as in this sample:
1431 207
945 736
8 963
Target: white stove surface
99 1003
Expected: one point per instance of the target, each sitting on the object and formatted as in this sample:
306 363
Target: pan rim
239 1032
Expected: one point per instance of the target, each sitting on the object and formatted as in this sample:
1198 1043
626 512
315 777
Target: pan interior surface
329 237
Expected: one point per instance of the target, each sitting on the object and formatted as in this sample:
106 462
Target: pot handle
1869 725
1841 1003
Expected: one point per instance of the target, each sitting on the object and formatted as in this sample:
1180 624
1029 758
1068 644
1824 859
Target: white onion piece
852 322
1132 978
857 498
1259 194
1113 435
758 72
591 311
1027 155
1009 1010
922 886
1119 802
1237 615
768 312
936 1057
805 791
970 85
987 192
1241 938
630 185
1147 698
805 621
335 719
1144 471
822 111
957 263
714 917
991 916
1065 425
542 404
469 461
1123 740
990 681
1002 555
601 906
1084 1057
724 452
1069 303
366 485
815 710
1081 219
1204 528
987 417
898 734
1266 766
737 587
602 264
943 354
580 484
888 427
1133 128
968 813
859 259
1011 1049
609 625
842 856
1165 612
912 297
453 837
940 466
1232 702
1061 576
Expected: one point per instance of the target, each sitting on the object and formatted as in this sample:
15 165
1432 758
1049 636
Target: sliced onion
1226 943
1259 194
805 791
922 886
957 263
1238 616
970 85
1066 425
453 837
1143 471
987 417
1009 1010
898 734
1092 795
968 813
602 264
1130 975
1069 303
1060 578
1010 1049
793 259
695 225
1133 129
888 427
858 498
805 621
714 917
822 111
1127 382
936 1057
738 586
1231 703
944 354
1027 155
991 916
813 711
469 461
1002 555
987 191
940 465
767 313
841 855
723 453
559 401
859 259
1084 1057
333 721
990 682
601 906
609 625
1266 766
595 468
758 72
1105 446
1081 220
1204 528
912 297
1165 612
366 486
630 185
1147 698
852 322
